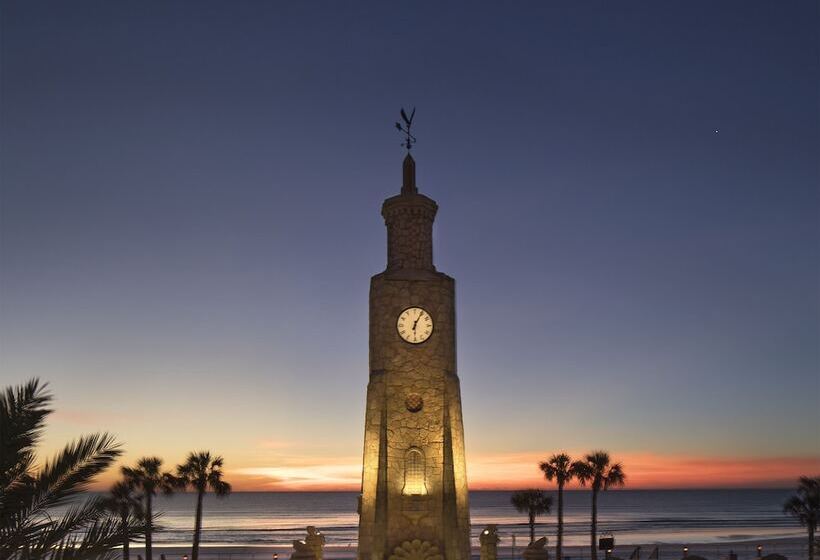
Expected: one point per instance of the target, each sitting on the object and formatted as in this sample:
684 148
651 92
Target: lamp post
685 551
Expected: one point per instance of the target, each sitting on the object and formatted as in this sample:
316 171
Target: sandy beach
793 548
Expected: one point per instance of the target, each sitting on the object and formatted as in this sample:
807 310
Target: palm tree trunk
197 524
125 536
812 528
593 532
560 520
149 522
532 526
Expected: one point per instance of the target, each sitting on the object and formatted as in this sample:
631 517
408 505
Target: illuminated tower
414 483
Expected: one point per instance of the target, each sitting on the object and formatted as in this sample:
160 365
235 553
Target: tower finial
409 139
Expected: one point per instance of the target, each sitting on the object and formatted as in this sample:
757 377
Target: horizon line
571 490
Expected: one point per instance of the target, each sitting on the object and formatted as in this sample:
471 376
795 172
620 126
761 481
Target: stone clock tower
414 482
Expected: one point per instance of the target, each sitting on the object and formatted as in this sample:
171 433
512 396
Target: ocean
633 517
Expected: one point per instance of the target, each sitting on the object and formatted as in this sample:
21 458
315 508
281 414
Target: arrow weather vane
409 139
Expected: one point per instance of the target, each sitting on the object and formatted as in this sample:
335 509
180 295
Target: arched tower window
414 472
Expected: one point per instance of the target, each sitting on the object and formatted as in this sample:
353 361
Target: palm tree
29 527
149 479
533 502
559 468
805 507
123 502
202 472
597 471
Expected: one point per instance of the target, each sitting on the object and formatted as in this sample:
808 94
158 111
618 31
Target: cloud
89 418
274 444
310 476
650 470
508 471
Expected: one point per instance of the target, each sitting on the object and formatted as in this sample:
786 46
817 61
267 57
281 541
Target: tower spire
408 183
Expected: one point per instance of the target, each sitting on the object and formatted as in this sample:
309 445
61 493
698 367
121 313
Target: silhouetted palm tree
149 479
202 472
123 502
29 528
533 502
597 471
805 507
559 468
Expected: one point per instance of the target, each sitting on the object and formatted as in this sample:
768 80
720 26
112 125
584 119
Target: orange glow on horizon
520 470
652 471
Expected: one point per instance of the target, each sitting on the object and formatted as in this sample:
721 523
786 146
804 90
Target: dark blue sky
628 200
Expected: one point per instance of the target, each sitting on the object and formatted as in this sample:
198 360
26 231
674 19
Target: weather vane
409 139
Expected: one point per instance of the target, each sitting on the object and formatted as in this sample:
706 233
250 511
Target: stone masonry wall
402 376
409 219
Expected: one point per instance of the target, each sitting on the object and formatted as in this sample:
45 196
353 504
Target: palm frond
531 501
30 524
28 527
50 533
71 471
23 410
149 478
804 505
595 469
122 499
598 459
98 539
201 471
220 488
615 476
583 472
558 468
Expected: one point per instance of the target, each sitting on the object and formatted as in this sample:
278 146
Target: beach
710 522
791 548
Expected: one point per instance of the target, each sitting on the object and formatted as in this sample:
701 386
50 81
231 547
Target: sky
628 196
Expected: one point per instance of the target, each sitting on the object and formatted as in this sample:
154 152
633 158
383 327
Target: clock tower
414 481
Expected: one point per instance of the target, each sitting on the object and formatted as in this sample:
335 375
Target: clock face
414 325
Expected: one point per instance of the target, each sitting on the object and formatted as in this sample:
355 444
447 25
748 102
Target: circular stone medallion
414 402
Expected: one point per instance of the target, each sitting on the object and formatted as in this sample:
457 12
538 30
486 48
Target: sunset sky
628 202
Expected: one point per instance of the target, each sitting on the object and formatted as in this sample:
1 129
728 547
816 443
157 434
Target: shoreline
793 548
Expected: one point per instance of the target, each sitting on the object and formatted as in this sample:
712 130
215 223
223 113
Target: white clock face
415 325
